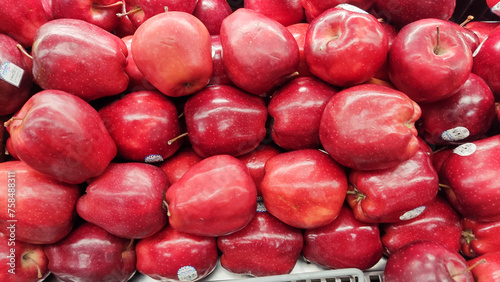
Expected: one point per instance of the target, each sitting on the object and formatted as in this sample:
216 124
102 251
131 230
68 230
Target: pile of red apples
157 138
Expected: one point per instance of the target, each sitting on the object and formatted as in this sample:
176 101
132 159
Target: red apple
482 28
137 82
222 119
9 149
479 238
211 13
393 194
152 8
370 127
403 12
383 72
466 116
285 12
304 188
296 109
90 253
474 165
219 74
141 123
179 163
99 12
299 31
125 26
345 47
173 52
259 52
426 261
20 261
256 160
80 58
42 209
20 19
126 200
316 7
485 58
486 268
214 197
344 243
494 5
438 223
16 79
266 246
429 60
170 255
62 136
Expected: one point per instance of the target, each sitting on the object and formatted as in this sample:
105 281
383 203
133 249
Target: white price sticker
153 159
496 9
455 134
261 207
187 273
413 213
11 73
351 8
466 149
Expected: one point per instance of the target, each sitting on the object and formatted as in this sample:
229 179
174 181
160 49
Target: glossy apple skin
44 208
222 119
472 107
285 12
485 60
162 255
256 161
299 31
435 76
369 127
126 200
403 12
221 185
296 109
66 128
80 58
151 8
259 52
21 19
141 123
92 11
12 97
179 163
219 74
316 7
487 271
304 188
426 261
137 81
344 243
479 238
464 174
75 257
173 52
211 13
266 246
482 28
24 264
438 223
345 48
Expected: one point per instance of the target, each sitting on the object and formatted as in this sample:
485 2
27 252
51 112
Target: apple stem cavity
468 236
21 48
27 257
101 6
135 10
479 262
176 138
438 36
12 119
359 196
468 20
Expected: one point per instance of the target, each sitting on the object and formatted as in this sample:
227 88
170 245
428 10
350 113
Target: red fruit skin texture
304 188
316 7
44 208
62 136
91 11
89 245
211 13
155 7
126 200
179 163
266 246
439 223
162 255
137 81
344 243
486 271
387 195
259 52
479 238
299 31
256 161
482 28
222 119
485 60
474 188
80 58
215 197
219 74
285 12
370 127
296 109
403 12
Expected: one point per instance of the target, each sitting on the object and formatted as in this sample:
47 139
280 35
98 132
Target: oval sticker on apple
351 8
455 134
413 213
187 273
11 73
153 159
466 149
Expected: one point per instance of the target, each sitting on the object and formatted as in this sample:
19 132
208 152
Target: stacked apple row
179 133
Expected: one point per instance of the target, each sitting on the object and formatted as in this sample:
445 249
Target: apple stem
468 20
181 115
165 204
479 262
380 20
21 48
176 138
27 257
292 75
468 235
130 244
9 122
436 48
135 10
100 6
444 186
165 8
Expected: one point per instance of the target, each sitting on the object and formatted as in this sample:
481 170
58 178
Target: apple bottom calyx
26 258
353 190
